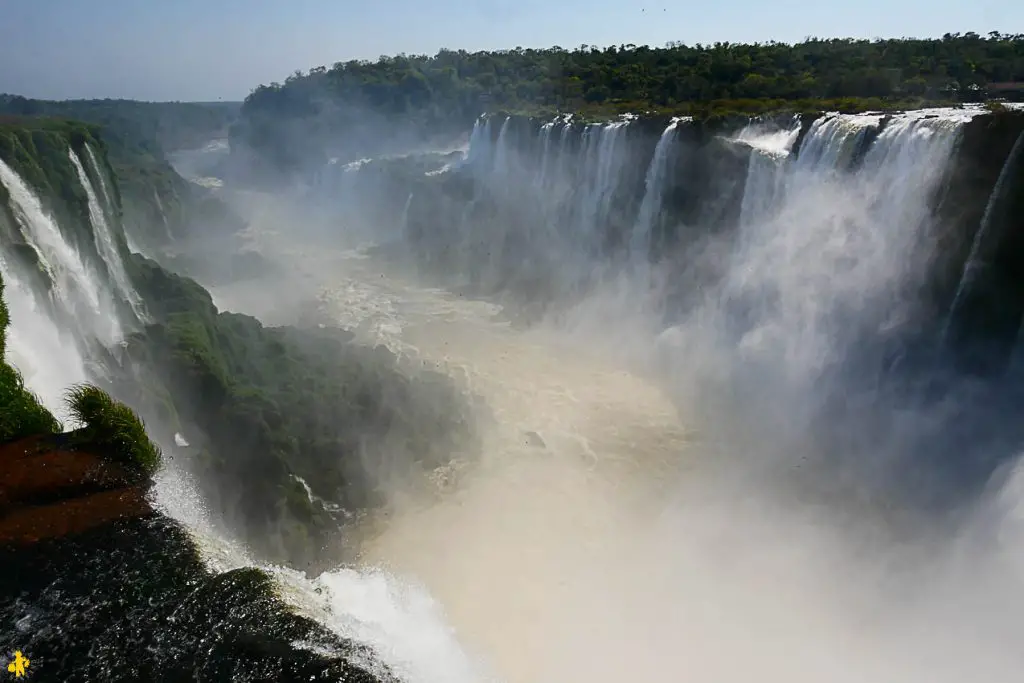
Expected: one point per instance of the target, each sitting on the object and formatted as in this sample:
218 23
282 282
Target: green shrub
112 425
21 413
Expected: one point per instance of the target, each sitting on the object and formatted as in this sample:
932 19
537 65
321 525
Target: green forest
446 91
135 128
452 82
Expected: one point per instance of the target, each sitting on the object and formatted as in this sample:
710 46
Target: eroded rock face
97 586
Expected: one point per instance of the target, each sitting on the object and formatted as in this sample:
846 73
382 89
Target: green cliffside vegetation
133 128
263 407
102 587
37 149
158 206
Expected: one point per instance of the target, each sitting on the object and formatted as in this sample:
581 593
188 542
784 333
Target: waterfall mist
770 492
721 440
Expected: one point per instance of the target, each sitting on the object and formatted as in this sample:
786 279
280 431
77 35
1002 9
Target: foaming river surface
584 546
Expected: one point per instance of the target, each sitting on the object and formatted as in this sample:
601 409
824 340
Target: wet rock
98 586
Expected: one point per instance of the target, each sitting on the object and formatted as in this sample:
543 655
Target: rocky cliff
101 587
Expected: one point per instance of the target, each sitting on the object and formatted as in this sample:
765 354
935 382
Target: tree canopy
448 90
453 81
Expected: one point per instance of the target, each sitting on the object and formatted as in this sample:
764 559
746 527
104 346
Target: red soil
48 492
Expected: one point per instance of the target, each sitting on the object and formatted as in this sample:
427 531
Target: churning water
626 519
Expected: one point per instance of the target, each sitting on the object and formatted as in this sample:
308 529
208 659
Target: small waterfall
403 223
76 289
545 154
133 247
604 147
107 201
986 242
480 150
770 149
832 141
399 621
502 173
105 243
49 362
163 215
654 187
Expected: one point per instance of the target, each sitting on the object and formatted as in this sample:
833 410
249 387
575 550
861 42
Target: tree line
448 90
456 81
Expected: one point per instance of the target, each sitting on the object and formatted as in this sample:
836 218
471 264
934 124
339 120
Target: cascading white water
105 243
832 139
826 254
547 558
654 186
603 147
545 153
396 618
551 563
163 215
78 290
108 203
502 170
770 148
48 360
403 223
480 152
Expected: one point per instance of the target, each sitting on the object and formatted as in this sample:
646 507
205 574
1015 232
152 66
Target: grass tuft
112 425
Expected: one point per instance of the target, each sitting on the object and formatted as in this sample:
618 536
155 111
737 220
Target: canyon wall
542 211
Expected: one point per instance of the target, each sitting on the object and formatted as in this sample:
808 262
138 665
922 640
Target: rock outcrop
98 586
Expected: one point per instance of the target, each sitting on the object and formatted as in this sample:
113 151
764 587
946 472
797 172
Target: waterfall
107 201
604 147
502 172
770 148
545 154
403 223
986 242
832 140
78 291
163 215
396 619
827 259
105 243
48 361
480 147
654 186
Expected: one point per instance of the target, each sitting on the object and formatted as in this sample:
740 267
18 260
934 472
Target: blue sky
221 49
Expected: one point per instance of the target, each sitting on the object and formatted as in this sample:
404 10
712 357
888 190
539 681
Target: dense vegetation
135 127
113 427
262 407
158 205
452 87
37 149
265 405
